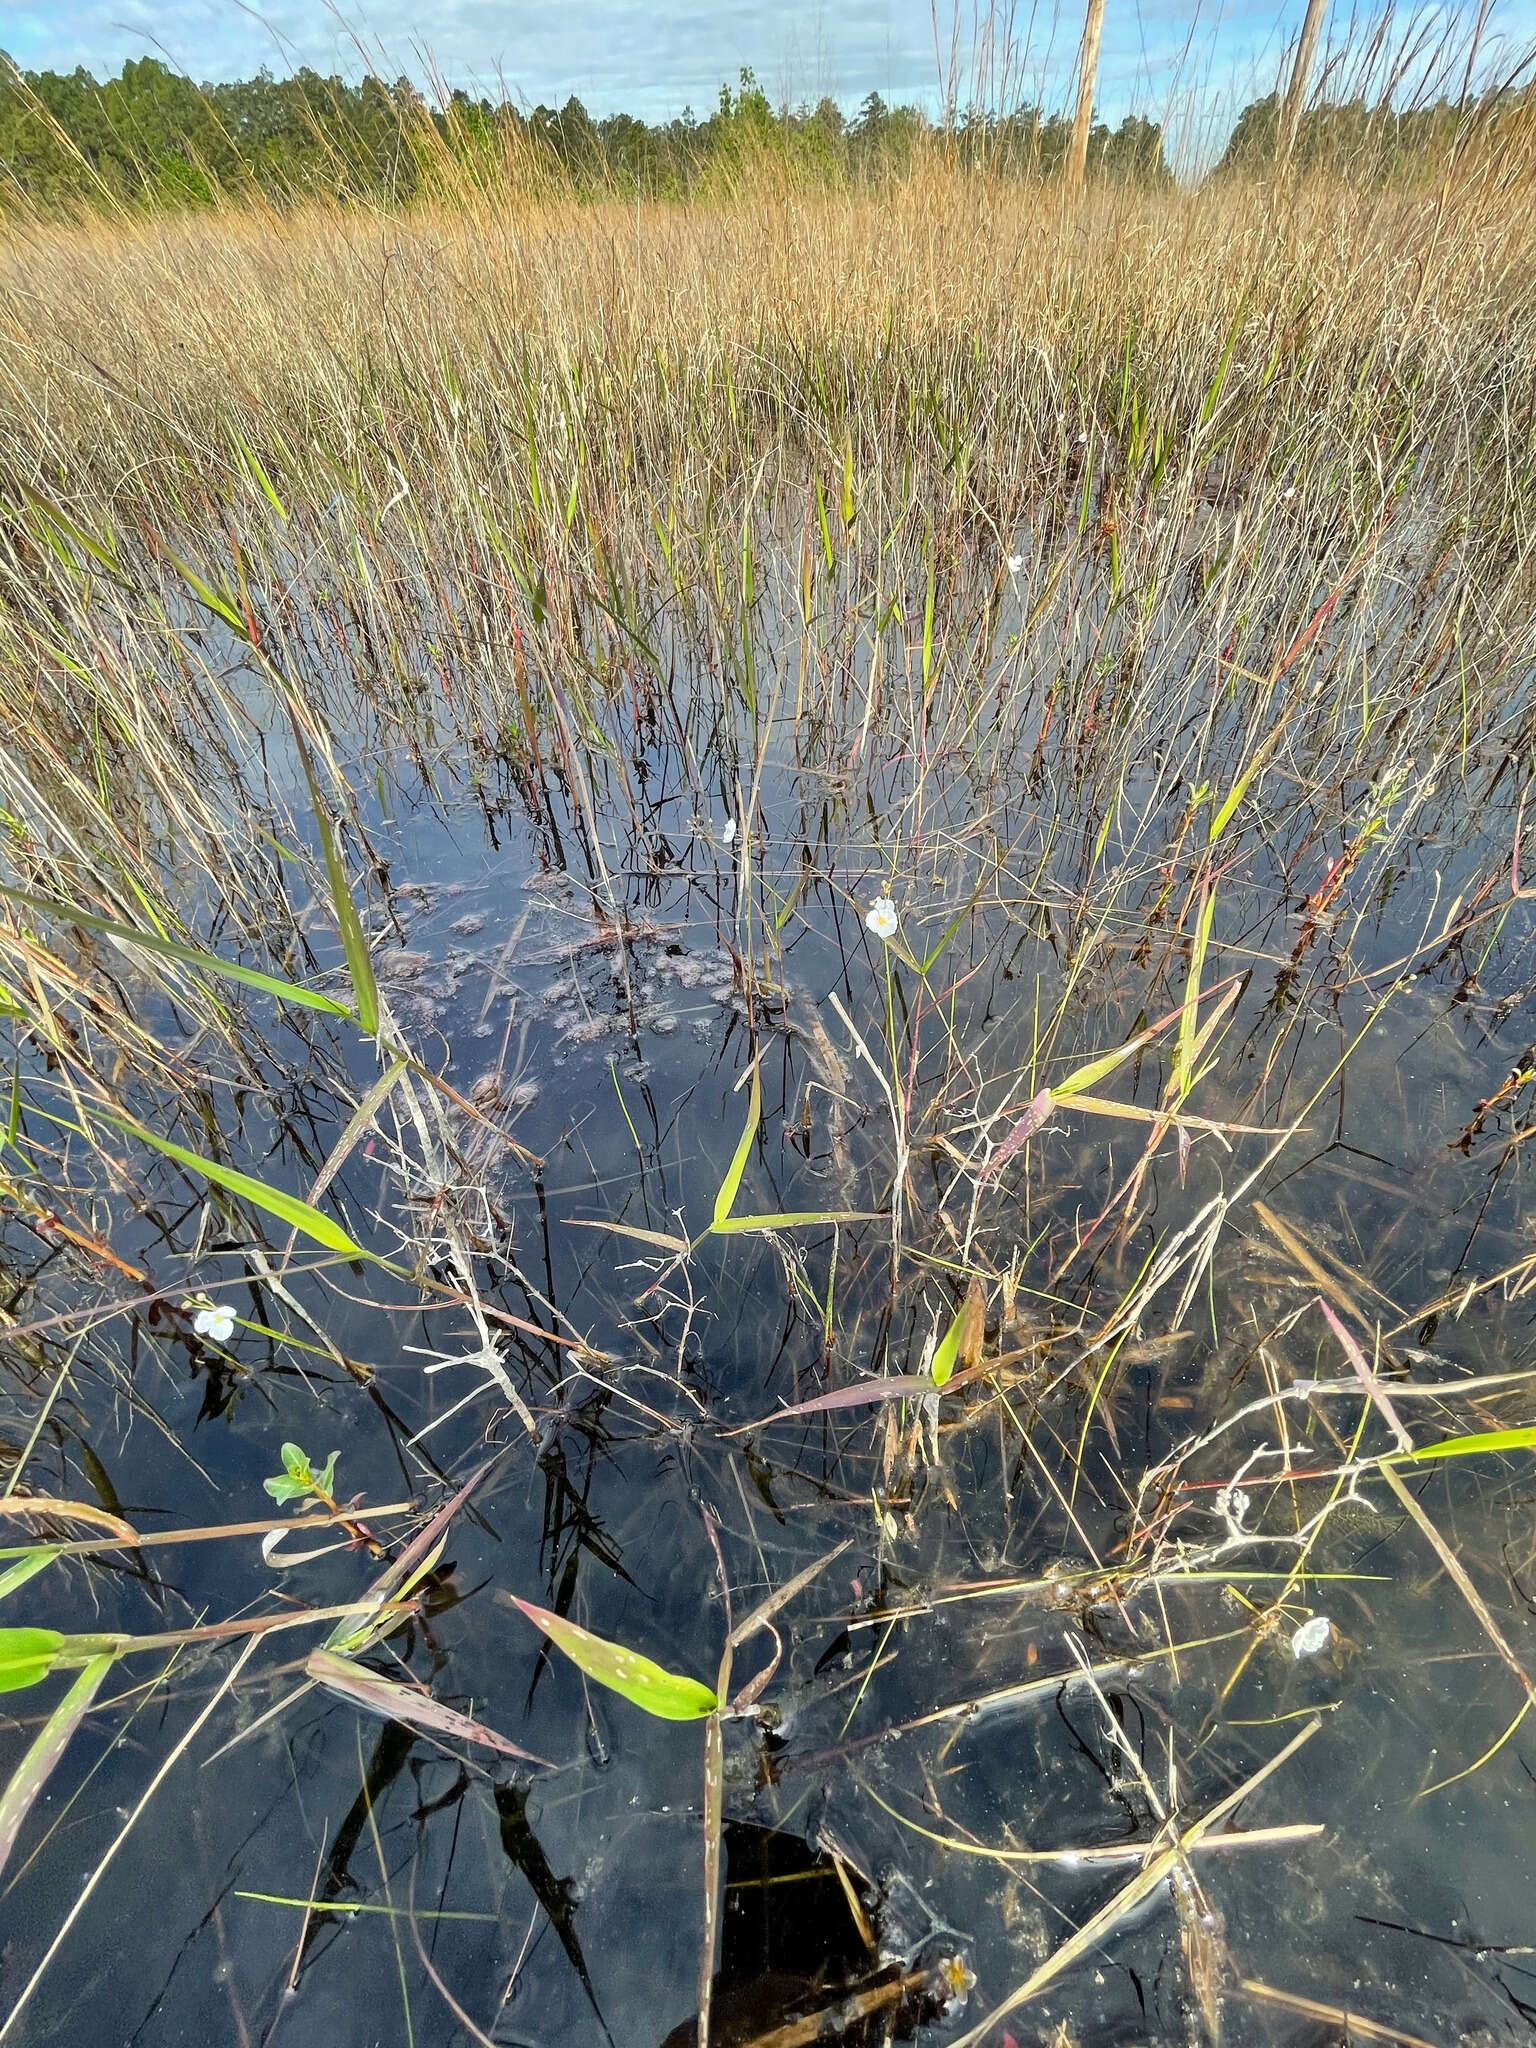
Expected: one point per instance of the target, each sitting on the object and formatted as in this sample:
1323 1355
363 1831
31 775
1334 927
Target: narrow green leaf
289 1209
31 1774
663 1693
354 942
365 990
794 1219
731 1185
217 601
171 949
1239 790
1471 1446
105 552
1083 1077
260 475
826 531
26 1567
26 1655
1184 1053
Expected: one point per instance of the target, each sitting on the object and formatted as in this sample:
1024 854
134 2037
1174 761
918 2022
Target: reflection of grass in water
1125 600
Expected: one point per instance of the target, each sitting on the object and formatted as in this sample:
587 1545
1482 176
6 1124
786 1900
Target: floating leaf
26 1655
794 1219
666 1694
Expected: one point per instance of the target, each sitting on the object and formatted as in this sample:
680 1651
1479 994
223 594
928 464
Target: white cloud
653 57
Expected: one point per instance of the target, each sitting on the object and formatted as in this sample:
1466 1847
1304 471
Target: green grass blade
1084 1077
289 1209
171 949
794 1219
25 1568
1472 1446
666 1694
220 602
365 990
730 1187
31 1774
1183 1063
354 942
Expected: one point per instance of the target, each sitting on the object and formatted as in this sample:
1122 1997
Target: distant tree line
152 136
1373 142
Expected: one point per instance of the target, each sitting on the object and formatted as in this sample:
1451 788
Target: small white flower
217 1323
881 918
729 834
1082 437
1312 1636
1015 564
1289 491
956 1982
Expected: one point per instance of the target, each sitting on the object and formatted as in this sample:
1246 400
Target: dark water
565 1905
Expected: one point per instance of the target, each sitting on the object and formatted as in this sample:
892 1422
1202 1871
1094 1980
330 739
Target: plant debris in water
980 1307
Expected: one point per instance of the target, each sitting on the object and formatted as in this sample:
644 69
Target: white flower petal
729 834
1015 564
202 1322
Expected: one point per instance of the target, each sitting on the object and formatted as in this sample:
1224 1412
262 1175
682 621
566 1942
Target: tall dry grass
519 477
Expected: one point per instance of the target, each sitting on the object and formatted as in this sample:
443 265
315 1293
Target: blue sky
653 57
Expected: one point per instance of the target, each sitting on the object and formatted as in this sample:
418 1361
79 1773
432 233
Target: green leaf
325 1482
25 1567
731 1185
794 1219
663 1693
31 1774
1470 1446
284 1489
1085 1076
295 1463
289 1209
171 949
26 1655
948 1349
220 602
354 941
1183 1058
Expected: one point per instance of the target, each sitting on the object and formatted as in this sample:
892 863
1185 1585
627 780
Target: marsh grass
1129 594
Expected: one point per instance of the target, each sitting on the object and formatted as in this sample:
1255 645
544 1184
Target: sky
1189 61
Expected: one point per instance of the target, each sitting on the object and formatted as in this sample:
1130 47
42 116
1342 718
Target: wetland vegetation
769 998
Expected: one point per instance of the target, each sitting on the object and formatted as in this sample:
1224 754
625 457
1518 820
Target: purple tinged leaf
1021 1133
392 1701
